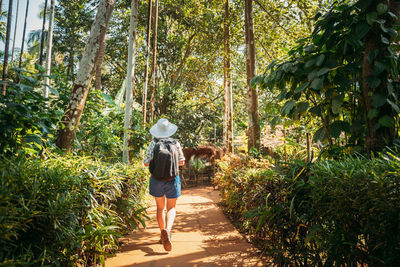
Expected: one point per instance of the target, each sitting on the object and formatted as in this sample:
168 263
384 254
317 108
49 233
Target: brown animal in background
266 150
209 152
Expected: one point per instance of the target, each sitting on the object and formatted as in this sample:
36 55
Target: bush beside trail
328 213
67 210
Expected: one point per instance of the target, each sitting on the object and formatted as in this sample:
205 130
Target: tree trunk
228 76
154 64
130 78
42 36
7 46
378 136
23 41
72 115
226 102
99 65
146 70
252 97
49 51
70 66
15 31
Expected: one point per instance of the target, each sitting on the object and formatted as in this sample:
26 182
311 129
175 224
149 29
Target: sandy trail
201 236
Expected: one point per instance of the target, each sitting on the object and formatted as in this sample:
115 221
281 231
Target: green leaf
393 15
337 103
301 87
312 75
317 83
310 62
393 33
335 129
33 138
383 28
373 113
320 60
371 17
379 67
282 95
315 110
384 40
288 107
309 48
377 100
386 121
323 71
372 55
394 106
373 81
302 107
286 67
108 99
319 135
255 80
381 8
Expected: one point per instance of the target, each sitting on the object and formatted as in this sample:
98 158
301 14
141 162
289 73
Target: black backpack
164 165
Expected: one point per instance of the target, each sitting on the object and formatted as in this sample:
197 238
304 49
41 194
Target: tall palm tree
49 48
6 48
228 99
154 64
23 40
146 69
43 29
15 31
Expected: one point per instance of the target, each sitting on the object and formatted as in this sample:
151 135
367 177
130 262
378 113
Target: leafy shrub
102 129
328 213
66 210
27 119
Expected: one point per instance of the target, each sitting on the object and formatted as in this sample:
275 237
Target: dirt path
201 236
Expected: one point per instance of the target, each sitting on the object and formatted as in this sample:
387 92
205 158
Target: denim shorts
170 189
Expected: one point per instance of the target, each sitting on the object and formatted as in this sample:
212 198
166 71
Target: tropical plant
325 76
328 213
27 119
64 211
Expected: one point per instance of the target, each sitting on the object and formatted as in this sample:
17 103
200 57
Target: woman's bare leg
160 202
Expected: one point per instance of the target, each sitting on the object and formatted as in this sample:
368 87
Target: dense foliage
67 210
27 119
335 75
327 77
328 213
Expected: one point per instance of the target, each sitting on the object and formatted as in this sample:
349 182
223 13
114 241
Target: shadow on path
201 236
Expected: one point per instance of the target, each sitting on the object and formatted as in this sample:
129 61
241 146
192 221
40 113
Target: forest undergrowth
341 212
67 210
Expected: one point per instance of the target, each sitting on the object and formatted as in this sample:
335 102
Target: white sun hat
163 128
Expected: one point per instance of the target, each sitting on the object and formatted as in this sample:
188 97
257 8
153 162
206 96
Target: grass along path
201 236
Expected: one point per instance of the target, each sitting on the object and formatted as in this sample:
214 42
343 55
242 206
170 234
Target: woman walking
164 156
